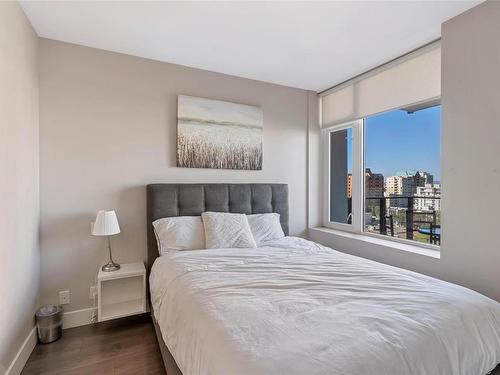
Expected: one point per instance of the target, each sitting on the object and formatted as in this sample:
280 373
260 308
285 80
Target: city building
374 184
399 185
406 184
422 179
425 195
394 185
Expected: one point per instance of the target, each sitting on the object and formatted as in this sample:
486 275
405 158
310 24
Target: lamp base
111 266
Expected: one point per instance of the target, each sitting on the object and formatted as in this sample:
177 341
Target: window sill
420 250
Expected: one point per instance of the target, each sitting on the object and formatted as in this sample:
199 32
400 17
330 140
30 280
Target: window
343 159
384 175
341 176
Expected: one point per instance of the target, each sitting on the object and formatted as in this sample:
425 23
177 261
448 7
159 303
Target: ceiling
309 45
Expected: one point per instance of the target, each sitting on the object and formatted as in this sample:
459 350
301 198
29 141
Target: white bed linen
296 307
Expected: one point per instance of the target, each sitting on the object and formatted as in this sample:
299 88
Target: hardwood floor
120 347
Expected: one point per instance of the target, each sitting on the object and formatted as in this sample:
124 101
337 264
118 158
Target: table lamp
106 224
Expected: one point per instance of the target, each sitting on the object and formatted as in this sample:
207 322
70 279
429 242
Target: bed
292 306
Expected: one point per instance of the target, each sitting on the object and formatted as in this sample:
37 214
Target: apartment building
427 195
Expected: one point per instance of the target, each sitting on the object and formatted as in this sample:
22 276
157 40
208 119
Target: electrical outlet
64 297
93 292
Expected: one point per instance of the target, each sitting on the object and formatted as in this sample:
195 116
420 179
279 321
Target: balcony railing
423 221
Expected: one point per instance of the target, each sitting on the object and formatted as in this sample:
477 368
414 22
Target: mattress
296 307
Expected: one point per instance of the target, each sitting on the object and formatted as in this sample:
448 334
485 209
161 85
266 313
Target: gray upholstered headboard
167 200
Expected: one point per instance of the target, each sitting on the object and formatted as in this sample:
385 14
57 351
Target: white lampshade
106 223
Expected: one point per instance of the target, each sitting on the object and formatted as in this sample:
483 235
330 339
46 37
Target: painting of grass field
217 134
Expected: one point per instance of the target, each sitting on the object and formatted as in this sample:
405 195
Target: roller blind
411 79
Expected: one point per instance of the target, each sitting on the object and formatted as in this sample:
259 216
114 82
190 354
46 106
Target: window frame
358 181
357 186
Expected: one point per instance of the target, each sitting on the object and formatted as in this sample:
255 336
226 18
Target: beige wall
19 254
470 250
471 139
108 128
314 162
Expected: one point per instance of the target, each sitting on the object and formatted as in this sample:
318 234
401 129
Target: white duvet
295 307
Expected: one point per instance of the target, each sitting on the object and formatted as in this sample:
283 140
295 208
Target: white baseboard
78 317
70 319
23 354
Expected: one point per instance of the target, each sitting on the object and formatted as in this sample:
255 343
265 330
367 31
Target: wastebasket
49 323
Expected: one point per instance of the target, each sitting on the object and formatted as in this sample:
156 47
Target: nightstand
121 293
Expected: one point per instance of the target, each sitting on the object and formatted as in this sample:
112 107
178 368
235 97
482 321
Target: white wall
108 128
471 140
314 159
470 249
19 194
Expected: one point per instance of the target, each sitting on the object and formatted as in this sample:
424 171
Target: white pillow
179 233
225 230
265 227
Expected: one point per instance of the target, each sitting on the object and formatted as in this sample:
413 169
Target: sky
191 107
396 141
